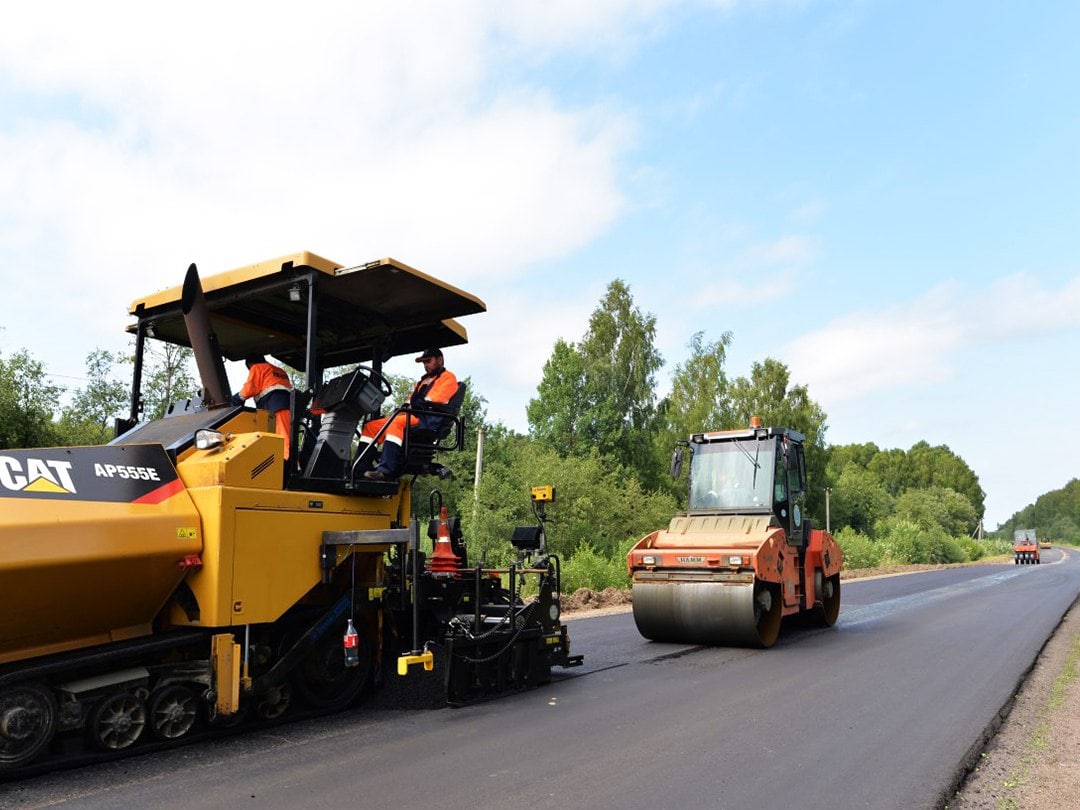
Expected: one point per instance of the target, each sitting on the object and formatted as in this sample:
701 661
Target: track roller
174 711
117 722
27 723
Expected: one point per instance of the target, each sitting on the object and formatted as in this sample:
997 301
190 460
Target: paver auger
742 556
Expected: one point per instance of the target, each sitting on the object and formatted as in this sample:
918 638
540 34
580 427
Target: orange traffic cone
443 559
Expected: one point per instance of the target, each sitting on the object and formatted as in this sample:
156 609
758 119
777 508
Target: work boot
388 464
375 475
367 455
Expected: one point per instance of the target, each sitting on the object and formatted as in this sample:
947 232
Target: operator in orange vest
269 386
435 388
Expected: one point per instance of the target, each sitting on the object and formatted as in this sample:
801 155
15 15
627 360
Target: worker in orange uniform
269 386
435 388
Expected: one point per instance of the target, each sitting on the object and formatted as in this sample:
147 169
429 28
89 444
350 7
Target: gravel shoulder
1033 761
1032 758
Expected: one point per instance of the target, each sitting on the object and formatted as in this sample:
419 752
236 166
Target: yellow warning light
755 421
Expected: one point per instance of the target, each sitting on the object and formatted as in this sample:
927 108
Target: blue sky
881 195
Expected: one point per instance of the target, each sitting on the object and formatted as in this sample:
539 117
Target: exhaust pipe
215 382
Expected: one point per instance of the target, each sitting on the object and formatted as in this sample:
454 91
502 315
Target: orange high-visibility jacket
264 378
433 389
269 386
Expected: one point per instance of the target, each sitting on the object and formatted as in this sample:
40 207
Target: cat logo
38 475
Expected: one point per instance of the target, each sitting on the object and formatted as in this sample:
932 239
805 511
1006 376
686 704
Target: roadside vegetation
600 434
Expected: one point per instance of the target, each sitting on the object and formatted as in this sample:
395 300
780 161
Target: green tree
601 393
891 468
769 394
841 455
923 467
557 416
938 507
1055 514
166 377
27 403
88 419
699 398
858 500
941 467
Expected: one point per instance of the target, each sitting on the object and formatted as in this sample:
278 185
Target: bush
995 546
587 569
903 542
859 550
973 549
945 549
597 503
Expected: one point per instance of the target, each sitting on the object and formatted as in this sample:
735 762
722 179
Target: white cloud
758 272
810 212
916 343
510 344
233 133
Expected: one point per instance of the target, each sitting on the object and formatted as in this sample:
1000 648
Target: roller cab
743 555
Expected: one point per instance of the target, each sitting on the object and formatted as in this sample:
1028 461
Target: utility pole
476 476
479 462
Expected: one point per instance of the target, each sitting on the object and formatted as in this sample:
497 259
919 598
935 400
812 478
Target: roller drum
707 612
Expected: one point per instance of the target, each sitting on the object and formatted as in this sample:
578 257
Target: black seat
421 444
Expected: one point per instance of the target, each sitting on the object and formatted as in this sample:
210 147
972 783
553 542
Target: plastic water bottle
351 642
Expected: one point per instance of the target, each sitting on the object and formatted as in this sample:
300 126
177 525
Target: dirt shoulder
1032 759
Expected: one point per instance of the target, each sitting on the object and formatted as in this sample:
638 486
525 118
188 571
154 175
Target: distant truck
1025 547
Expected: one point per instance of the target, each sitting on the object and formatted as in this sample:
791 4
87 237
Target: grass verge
1039 741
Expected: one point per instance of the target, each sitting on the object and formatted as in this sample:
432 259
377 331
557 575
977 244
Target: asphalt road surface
881 711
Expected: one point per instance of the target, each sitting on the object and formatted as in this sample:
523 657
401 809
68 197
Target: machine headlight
648 559
208 439
735 560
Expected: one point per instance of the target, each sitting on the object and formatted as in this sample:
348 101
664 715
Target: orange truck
1025 547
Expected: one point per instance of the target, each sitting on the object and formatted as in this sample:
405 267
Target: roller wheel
174 711
828 610
117 722
274 702
27 723
767 613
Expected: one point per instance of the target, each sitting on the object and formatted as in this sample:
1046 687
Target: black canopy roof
373 311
